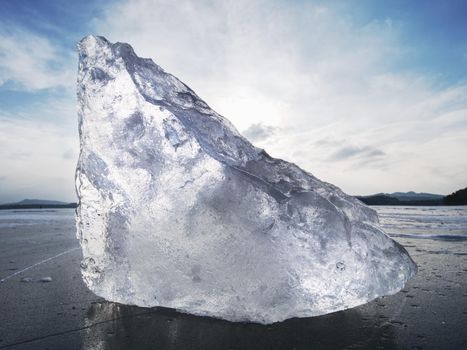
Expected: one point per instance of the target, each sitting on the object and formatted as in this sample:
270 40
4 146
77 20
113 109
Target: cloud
290 74
29 61
45 173
37 126
259 132
355 151
19 155
69 154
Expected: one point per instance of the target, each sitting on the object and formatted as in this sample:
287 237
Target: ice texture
178 209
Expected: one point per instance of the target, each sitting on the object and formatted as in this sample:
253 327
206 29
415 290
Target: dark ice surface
430 313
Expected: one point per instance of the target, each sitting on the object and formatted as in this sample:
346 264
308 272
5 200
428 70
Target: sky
368 95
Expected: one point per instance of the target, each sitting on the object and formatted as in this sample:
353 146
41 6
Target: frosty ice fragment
177 209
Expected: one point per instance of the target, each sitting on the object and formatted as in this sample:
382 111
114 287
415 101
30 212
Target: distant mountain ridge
414 198
411 196
38 201
37 204
457 198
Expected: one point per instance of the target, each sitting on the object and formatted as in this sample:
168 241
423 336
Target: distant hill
457 198
38 201
379 199
414 198
37 204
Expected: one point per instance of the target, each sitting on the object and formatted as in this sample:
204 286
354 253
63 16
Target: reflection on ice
452 237
440 223
116 326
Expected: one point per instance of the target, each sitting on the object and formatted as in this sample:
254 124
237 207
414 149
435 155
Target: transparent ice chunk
177 209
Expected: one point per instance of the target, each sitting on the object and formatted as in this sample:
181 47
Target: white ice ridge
177 209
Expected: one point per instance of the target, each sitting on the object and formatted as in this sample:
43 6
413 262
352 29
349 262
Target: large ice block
177 209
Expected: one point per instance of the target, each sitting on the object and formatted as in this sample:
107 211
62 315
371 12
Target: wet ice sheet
430 313
11 218
440 222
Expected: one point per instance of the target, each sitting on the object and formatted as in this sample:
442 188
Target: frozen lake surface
443 223
430 313
13 218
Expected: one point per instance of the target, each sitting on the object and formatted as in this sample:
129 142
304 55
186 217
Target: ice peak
95 45
93 40
91 45
104 60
